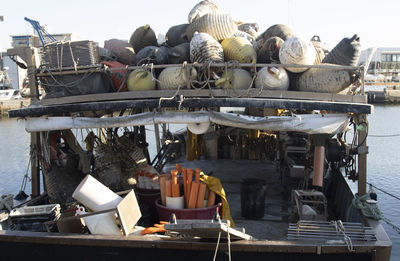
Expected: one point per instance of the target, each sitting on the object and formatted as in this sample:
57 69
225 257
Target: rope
229 245
370 210
216 248
339 227
384 136
390 194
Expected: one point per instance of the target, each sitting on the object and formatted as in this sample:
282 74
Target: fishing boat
281 157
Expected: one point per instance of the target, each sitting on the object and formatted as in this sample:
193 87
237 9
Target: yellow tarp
214 184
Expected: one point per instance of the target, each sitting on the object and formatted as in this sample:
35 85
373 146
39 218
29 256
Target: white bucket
95 196
175 202
102 224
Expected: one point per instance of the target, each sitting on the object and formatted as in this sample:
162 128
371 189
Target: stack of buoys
235 79
239 49
141 80
176 77
212 36
204 48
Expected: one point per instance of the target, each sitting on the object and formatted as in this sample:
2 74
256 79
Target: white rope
340 228
216 248
229 244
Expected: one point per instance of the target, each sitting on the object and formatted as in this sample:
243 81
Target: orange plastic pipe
178 167
168 188
185 190
211 199
174 178
189 180
319 160
193 195
200 196
175 190
197 175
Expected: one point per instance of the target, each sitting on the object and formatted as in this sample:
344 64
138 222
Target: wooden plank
36 111
206 229
362 158
217 93
35 170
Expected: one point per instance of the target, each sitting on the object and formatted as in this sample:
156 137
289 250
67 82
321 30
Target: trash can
146 198
252 195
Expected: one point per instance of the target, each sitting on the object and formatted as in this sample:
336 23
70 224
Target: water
383 163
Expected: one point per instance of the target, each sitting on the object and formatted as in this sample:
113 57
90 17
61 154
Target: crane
42 33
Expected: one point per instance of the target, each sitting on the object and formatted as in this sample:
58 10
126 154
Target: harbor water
383 162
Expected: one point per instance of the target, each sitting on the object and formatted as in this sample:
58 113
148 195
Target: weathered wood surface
207 93
63 109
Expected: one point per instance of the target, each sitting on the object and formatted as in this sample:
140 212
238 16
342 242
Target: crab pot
252 196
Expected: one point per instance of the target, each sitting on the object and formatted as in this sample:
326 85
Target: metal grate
330 230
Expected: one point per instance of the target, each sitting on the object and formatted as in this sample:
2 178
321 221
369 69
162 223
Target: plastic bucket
252 195
164 213
95 196
146 199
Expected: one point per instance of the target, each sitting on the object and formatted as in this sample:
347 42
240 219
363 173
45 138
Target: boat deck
231 173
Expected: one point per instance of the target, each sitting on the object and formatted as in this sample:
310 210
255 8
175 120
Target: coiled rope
370 210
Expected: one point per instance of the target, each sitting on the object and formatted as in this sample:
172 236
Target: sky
376 22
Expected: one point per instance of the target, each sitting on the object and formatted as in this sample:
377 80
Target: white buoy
272 78
297 51
198 128
95 196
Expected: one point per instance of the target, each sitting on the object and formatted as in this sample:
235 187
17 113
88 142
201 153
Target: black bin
252 195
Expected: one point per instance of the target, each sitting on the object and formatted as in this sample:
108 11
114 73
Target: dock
8 105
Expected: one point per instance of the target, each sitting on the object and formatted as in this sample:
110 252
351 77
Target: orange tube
211 199
185 190
189 179
197 175
200 196
174 178
319 160
178 167
175 190
168 188
193 195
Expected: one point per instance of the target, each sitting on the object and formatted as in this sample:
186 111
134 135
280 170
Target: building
383 60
